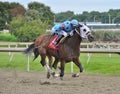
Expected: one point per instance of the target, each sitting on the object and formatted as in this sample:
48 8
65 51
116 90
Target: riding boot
58 39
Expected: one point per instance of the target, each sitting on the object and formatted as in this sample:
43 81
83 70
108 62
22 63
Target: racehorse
69 49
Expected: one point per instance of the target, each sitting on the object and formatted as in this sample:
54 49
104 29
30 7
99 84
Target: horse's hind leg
43 60
44 64
78 63
50 65
50 61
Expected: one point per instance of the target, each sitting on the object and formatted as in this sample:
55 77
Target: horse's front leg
78 63
62 69
50 61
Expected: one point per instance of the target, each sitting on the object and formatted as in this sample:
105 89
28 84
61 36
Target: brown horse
69 49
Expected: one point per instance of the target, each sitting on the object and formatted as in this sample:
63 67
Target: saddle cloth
51 44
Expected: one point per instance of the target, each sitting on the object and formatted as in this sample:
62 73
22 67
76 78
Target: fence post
71 67
28 63
109 49
9 47
88 55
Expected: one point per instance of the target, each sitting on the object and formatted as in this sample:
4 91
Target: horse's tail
34 47
36 53
29 49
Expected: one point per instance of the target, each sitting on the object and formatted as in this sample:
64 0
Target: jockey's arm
62 32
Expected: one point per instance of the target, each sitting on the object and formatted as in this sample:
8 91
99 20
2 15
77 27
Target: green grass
98 64
103 64
18 62
7 37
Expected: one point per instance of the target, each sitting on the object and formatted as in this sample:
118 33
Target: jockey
64 29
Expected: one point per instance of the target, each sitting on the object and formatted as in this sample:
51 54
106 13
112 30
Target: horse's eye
84 30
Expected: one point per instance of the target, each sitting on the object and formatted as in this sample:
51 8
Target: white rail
82 50
89 48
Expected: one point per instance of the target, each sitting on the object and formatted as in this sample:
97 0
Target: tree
32 14
62 16
19 10
27 30
4 16
6 12
44 11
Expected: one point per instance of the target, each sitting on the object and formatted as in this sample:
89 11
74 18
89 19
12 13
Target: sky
77 6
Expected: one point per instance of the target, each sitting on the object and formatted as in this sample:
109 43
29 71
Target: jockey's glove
68 35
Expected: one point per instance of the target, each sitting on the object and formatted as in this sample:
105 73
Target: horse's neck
74 41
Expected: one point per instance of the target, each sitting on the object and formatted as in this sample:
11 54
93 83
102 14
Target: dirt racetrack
36 83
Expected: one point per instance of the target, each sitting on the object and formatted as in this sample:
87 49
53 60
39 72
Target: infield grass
98 64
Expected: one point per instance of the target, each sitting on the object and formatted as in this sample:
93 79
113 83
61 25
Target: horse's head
85 32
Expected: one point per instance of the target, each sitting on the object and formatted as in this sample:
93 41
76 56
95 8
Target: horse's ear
80 25
85 23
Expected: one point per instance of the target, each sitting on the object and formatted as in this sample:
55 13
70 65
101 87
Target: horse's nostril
90 38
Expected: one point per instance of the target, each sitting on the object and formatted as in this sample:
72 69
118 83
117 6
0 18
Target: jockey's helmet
75 23
67 25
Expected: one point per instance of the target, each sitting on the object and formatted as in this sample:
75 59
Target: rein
77 32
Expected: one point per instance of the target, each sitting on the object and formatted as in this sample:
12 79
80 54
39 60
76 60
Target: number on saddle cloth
51 44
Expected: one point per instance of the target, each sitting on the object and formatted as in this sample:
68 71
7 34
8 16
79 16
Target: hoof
55 75
81 70
61 78
75 75
48 75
